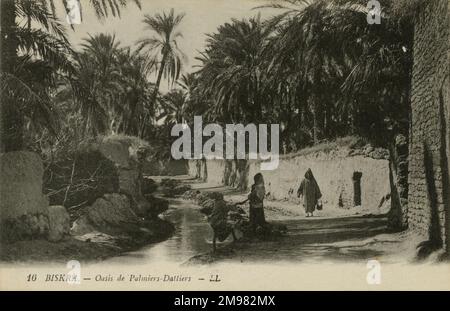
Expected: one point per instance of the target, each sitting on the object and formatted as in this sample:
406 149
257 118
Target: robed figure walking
310 191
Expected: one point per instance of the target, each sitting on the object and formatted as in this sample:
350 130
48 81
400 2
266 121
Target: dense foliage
316 67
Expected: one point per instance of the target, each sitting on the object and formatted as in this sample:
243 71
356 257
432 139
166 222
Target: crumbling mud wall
428 208
25 213
23 207
120 200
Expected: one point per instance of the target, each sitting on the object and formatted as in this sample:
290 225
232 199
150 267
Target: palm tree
165 44
110 85
173 107
231 71
48 43
101 8
30 59
136 90
332 50
195 104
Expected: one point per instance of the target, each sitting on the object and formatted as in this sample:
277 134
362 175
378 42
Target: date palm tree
30 59
48 43
95 82
173 107
110 85
163 46
336 52
231 70
101 8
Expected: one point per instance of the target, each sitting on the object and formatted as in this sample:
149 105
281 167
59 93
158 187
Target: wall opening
357 188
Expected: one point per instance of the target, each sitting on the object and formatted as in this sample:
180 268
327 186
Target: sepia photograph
225 145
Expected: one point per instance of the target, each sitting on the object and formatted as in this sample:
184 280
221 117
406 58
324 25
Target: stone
98 237
58 223
148 186
128 182
116 151
110 214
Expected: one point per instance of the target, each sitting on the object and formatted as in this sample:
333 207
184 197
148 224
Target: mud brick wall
332 170
428 169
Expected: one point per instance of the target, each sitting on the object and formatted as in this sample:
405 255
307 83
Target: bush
79 179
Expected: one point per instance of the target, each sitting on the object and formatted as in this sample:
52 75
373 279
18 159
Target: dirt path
332 235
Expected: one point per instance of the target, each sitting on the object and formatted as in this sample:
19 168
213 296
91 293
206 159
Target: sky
202 17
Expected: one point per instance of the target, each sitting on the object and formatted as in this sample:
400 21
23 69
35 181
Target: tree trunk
398 175
155 94
317 119
11 127
353 118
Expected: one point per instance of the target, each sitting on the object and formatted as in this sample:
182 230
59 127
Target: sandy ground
356 234
333 234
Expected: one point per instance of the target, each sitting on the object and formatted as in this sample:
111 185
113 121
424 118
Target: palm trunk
398 178
316 118
154 95
11 127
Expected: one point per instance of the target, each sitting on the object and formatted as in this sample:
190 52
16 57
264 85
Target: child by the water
219 220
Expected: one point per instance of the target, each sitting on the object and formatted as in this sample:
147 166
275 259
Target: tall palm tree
101 8
110 85
95 82
336 52
173 107
30 58
164 44
136 89
231 71
37 41
195 104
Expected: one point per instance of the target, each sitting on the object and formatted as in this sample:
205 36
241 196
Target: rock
170 183
172 187
191 194
117 151
23 213
110 214
58 223
98 237
181 189
141 206
128 154
82 226
148 186
128 182
204 196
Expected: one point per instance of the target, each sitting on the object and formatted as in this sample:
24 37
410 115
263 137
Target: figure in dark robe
310 191
256 199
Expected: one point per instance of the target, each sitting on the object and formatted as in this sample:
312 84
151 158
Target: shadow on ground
312 239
